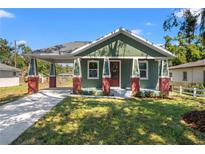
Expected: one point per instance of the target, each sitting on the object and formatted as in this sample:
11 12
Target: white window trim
147 70
89 61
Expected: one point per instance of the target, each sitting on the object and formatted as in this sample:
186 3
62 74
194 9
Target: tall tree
6 54
186 26
187 45
202 25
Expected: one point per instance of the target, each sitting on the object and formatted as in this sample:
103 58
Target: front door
115 73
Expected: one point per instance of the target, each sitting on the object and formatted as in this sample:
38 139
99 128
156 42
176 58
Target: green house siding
152 81
87 83
126 71
120 46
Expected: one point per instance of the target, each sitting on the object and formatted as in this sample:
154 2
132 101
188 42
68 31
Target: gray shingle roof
4 67
188 65
62 48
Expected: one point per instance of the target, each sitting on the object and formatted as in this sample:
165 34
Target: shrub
147 94
198 86
79 91
98 93
162 95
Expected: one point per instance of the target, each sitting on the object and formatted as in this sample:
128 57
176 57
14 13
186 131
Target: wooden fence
189 91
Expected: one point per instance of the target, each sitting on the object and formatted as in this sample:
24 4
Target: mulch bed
195 119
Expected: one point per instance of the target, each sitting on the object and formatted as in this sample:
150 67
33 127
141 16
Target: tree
202 25
188 44
24 49
6 55
187 25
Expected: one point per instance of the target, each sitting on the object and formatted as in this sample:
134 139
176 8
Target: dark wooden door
115 74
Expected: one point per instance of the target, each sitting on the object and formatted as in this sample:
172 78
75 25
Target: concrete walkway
17 116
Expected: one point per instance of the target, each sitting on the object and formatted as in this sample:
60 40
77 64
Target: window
14 73
170 74
93 69
143 66
184 76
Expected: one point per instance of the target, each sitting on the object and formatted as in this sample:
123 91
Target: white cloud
149 24
137 31
21 42
194 11
5 14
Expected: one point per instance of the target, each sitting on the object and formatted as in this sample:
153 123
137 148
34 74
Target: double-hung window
143 66
184 76
93 69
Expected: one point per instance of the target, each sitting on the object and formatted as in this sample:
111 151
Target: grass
8 94
78 120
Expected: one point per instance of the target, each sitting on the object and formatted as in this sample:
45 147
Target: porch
116 77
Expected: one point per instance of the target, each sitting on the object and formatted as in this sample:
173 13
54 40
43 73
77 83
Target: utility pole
15 52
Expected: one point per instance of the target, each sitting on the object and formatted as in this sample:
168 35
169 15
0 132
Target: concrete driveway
17 116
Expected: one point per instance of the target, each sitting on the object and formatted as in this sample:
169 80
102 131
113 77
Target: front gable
120 46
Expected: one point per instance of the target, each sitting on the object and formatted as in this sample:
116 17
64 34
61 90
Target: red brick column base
76 85
106 85
52 82
164 85
135 85
32 85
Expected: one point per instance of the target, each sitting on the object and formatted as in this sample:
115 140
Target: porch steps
121 92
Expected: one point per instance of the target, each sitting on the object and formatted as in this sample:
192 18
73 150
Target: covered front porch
117 76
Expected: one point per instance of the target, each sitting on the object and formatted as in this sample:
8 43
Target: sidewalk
17 116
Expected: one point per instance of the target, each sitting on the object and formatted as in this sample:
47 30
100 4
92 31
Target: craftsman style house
119 59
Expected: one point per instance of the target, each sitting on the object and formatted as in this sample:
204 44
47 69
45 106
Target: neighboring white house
9 76
189 73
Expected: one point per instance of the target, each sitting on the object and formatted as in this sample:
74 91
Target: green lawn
8 94
78 120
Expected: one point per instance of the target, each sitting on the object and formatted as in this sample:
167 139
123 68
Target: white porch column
106 77
135 77
52 77
77 76
33 76
164 80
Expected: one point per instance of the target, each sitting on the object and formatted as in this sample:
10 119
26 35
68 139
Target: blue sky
47 27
